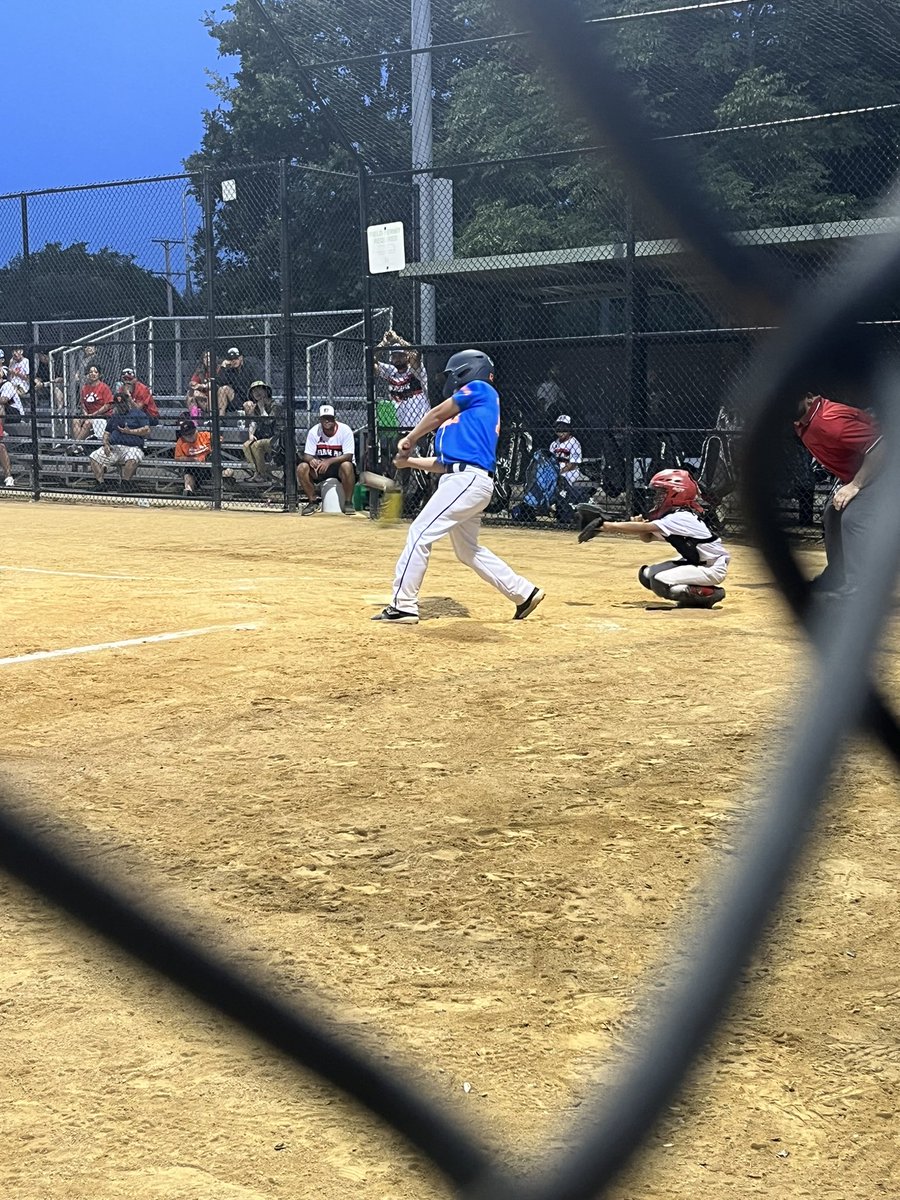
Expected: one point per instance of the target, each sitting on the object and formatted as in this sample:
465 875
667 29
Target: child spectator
193 445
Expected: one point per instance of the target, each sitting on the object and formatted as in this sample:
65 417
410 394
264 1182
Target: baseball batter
693 579
468 425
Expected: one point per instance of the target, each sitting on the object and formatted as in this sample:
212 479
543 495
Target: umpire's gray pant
845 532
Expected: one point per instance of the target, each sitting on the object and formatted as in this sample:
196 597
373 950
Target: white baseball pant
679 577
454 509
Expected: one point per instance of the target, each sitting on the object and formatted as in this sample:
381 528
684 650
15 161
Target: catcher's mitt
590 521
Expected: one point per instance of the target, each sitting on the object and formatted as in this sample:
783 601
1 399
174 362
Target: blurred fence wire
708 237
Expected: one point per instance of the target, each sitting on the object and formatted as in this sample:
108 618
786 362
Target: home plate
604 626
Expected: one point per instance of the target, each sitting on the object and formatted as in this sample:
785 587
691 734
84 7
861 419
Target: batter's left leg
454 498
486 564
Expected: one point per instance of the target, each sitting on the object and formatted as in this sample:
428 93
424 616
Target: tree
74 283
695 73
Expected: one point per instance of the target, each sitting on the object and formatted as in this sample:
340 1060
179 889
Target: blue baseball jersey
471 436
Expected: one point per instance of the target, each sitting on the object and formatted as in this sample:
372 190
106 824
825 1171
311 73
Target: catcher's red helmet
673 489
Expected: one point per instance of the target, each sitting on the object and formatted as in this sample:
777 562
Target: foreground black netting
822 328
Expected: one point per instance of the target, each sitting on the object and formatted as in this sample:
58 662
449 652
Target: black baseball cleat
701 597
528 605
396 616
310 507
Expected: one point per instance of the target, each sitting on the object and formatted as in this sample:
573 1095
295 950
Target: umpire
846 442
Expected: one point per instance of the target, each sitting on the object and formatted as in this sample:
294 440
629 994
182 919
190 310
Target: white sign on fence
229 189
386 249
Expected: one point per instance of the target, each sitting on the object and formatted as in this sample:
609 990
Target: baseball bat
379 483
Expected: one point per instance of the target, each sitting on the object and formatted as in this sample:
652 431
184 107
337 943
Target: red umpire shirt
837 436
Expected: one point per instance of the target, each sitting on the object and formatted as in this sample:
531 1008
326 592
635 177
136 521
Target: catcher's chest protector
687 547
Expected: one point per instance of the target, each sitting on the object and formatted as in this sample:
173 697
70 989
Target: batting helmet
463 367
673 489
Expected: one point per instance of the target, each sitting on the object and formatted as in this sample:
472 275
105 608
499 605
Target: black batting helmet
463 367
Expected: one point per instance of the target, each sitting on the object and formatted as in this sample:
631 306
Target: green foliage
696 71
75 283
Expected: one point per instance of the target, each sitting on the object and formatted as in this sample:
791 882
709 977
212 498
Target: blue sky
106 89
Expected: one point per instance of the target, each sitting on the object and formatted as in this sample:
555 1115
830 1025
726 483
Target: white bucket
332 497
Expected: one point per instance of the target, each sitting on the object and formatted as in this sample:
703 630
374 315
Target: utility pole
423 156
167 244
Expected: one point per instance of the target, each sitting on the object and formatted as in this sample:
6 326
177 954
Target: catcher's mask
463 367
673 489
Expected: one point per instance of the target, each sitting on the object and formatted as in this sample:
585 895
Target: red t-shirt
95 396
837 436
143 398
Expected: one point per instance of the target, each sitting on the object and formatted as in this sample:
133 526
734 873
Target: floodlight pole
423 157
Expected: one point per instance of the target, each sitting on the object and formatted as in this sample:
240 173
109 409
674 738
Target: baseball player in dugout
846 442
693 579
468 426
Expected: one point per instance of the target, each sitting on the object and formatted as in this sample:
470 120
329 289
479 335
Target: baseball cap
260 383
563 419
128 372
233 353
186 425
326 410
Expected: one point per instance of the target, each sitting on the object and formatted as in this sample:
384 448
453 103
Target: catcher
693 579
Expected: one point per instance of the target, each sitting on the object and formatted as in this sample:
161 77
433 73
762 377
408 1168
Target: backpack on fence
541 485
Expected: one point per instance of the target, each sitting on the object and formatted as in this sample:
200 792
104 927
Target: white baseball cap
326 410
563 419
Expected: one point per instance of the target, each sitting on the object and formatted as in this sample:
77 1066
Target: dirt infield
473 836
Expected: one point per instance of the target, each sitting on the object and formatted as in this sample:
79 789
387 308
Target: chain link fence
521 237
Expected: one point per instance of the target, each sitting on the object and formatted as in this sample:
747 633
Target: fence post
628 328
30 352
287 308
210 268
179 373
368 337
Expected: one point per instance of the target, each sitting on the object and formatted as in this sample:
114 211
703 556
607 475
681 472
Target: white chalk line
68 651
243 579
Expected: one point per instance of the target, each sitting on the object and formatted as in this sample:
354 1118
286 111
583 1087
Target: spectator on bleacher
328 454
235 377
127 427
45 388
197 398
20 370
263 416
138 392
202 373
11 399
96 404
198 401
193 445
5 465
86 358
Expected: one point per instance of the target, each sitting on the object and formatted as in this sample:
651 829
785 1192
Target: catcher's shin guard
647 576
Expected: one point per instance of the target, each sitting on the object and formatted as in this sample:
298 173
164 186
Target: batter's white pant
683 576
454 509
